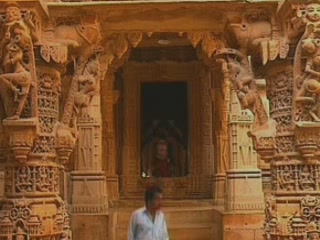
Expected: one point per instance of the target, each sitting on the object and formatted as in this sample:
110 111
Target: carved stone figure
307 79
82 40
163 154
251 30
88 83
313 232
244 83
14 15
20 235
241 75
18 66
83 35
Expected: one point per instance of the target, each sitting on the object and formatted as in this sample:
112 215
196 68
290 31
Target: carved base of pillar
112 189
42 218
89 193
219 181
244 190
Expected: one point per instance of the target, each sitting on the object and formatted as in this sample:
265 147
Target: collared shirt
143 228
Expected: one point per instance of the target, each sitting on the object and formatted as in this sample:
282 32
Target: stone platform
187 220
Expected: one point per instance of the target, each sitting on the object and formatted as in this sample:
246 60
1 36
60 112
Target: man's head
153 197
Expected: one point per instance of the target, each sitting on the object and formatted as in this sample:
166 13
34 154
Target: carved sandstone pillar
264 166
89 194
244 180
292 178
31 207
109 99
207 126
222 104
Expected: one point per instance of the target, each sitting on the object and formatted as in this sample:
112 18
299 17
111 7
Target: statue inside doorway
163 151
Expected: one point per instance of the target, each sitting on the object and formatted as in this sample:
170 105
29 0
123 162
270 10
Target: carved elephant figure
78 36
249 35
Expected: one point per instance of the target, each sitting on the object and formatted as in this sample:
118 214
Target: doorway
164 129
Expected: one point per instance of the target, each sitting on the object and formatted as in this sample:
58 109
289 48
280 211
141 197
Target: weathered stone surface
72 139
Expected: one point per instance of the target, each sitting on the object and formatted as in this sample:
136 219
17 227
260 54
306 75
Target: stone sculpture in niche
163 154
17 61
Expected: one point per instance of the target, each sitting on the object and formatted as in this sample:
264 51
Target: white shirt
143 228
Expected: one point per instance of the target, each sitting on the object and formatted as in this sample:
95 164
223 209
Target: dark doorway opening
164 129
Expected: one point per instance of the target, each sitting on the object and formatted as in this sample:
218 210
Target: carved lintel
307 134
21 134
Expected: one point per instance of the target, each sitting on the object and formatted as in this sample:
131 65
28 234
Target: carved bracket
208 42
65 142
118 44
307 134
21 135
264 141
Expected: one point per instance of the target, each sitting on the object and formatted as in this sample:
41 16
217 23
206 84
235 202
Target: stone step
180 232
174 215
187 220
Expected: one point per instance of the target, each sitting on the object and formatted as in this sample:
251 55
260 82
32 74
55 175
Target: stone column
32 207
87 178
33 162
244 180
222 104
294 166
109 99
264 166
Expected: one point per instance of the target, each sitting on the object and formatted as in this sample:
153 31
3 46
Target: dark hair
151 193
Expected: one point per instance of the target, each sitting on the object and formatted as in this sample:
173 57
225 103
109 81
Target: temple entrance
164 129
165 108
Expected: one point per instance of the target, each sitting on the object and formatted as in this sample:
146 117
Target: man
149 223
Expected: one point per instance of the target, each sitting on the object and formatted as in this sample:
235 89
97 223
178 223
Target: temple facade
217 102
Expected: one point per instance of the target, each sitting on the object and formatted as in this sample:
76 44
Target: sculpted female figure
16 77
17 60
308 83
